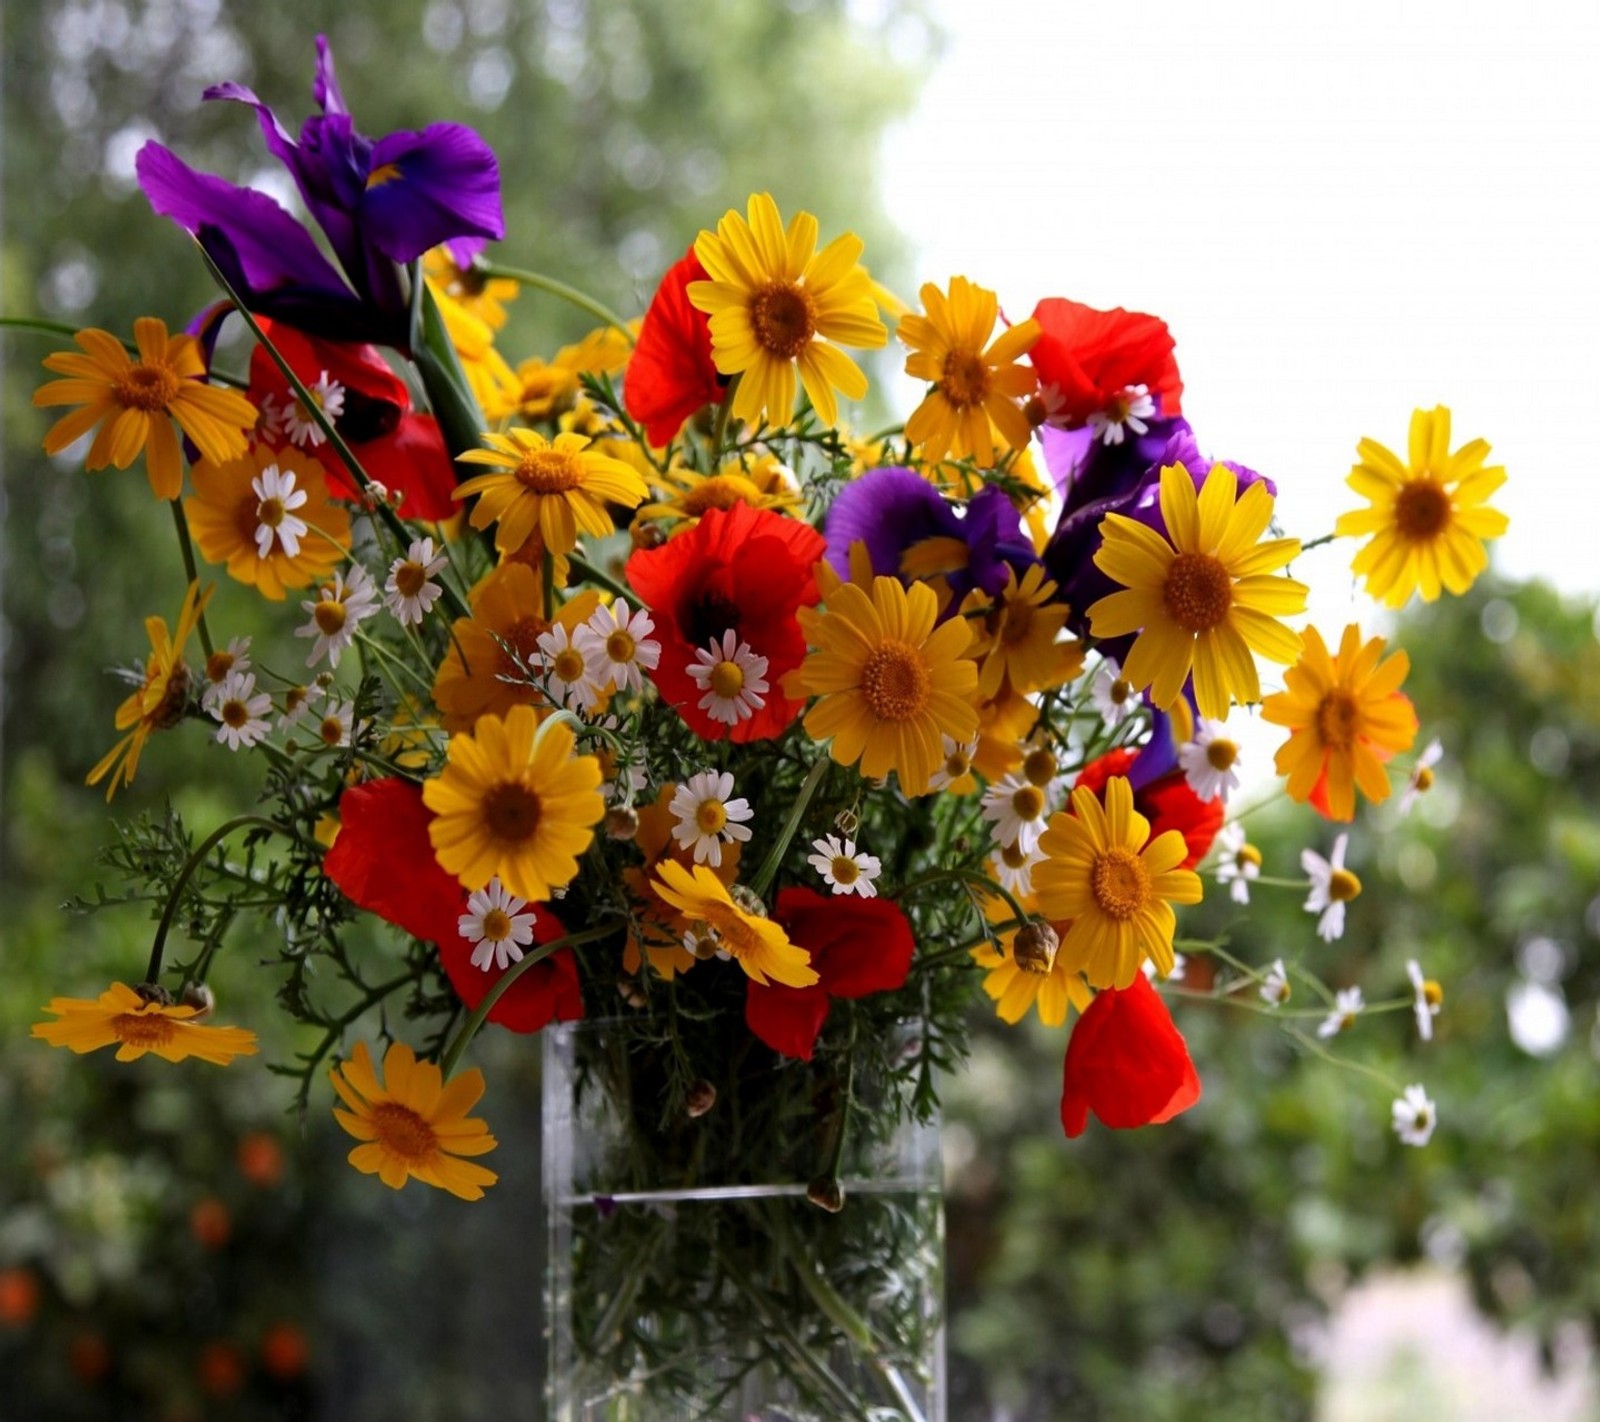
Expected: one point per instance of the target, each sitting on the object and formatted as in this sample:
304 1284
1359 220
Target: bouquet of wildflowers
632 683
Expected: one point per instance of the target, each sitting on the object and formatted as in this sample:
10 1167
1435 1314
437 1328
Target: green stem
1318 1050
570 294
480 1014
186 547
62 328
720 428
978 880
769 866
587 572
336 1028
1318 542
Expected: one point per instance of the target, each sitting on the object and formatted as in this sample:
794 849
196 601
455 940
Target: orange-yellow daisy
977 383
684 495
778 305
135 401
1427 516
1032 979
555 486
159 702
413 1124
226 513
891 684
1016 636
755 943
515 800
1202 598
1347 716
138 1025
1103 872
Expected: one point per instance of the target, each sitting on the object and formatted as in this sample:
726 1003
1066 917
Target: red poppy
402 450
1091 357
546 992
1168 803
857 946
743 569
1126 1062
670 374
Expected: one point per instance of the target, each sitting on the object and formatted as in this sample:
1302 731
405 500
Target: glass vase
770 1250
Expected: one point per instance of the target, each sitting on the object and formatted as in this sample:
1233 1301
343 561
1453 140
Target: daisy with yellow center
1103 872
160 701
227 513
1346 716
1026 969
1427 515
135 402
1201 598
556 487
684 496
777 305
137 1024
1017 635
414 1124
977 384
515 800
754 942
892 685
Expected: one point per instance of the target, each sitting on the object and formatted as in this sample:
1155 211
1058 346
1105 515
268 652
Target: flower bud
622 822
200 997
749 901
826 1193
646 535
630 991
701 1098
1034 948
847 822
154 992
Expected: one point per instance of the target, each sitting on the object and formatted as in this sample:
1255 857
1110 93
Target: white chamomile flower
1208 761
242 710
1414 1116
732 677
299 423
235 657
336 724
957 762
572 678
1127 411
1114 698
1012 867
1347 1006
410 592
1332 887
1275 989
1239 864
1421 776
1018 809
496 926
706 818
296 702
617 641
1175 975
1427 999
340 608
276 500
845 869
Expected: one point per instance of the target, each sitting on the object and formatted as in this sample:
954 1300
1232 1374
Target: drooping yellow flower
1202 598
549 388
556 486
1015 636
756 944
226 514
891 683
490 377
1017 982
1427 515
139 1025
413 1124
777 305
515 800
1347 716
482 296
135 401
977 384
1103 872
685 495
159 702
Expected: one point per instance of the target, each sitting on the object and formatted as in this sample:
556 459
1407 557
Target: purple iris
893 510
381 203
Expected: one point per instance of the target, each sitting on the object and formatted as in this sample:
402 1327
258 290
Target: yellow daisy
757 944
556 487
158 704
1201 598
139 1025
1347 716
777 304
414 1124
1116 885
685 494
490 377
135 401
1427 515
515 800
1016 636
482 296
226 513
1050 984
977 384
891 683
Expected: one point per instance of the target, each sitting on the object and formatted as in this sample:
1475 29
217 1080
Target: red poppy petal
547 992
857 946
670 374
1126 1062
787 1019
1091 356
383 860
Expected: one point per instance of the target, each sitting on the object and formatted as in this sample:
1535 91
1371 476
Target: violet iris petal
888 510
992 531
447 185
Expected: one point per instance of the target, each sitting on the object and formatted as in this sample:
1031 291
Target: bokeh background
1340 218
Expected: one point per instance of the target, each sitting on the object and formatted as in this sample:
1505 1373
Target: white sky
1342 211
